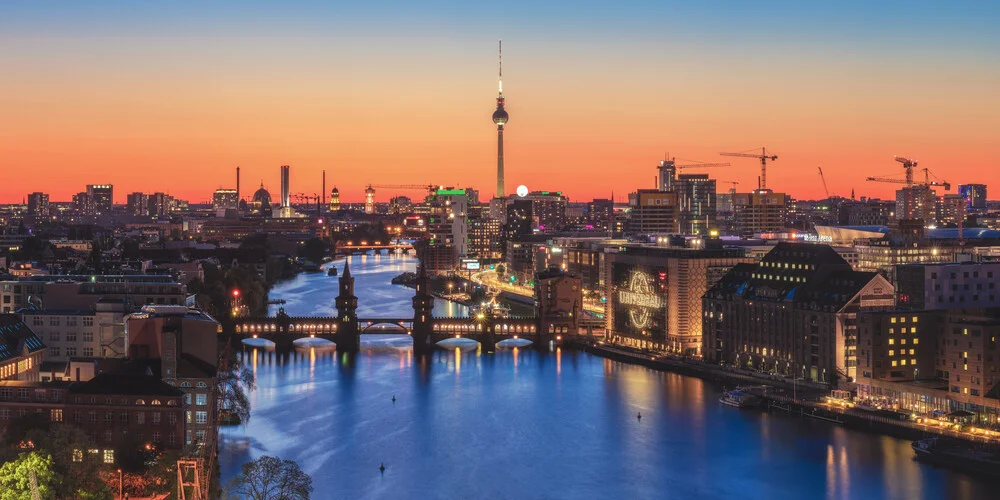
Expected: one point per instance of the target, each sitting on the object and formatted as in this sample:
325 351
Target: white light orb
522 190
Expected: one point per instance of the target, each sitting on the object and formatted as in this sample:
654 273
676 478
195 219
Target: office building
695 203
793 313
759 212
600 214
653 212
83 204
947 285
225 199
88 333
548 209
160 204
519 219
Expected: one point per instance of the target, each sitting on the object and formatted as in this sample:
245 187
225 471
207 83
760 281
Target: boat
492 309
957 455
332 271
738 399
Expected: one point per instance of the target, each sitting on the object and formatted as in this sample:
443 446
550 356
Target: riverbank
806 402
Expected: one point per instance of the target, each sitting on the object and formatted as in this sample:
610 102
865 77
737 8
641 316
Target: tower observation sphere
500 115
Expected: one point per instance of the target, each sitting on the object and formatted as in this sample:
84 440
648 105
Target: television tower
500 118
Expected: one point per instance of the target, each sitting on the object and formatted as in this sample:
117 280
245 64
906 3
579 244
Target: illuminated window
901 341
892 320
892 352
109 456
892 330
916 341
911 352
902 362
913 361
893 341
894 362
914 319
78 455
965 390
903 319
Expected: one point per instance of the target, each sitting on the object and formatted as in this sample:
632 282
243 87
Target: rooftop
125 385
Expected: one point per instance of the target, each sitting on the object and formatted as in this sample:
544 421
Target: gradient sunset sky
172 96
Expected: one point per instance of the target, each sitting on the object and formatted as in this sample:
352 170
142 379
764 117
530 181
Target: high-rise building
138 204
159 204
695 203
975 194
916 202
486 239
448 222
38 204
667 172
224 199
519 219
653 211
500 118
103 196
83 204
950 208
761 211
548 210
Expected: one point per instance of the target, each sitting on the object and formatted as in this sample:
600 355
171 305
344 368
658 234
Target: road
489 279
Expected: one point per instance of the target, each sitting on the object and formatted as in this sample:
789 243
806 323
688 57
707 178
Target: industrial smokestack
237 190
322 191
285 199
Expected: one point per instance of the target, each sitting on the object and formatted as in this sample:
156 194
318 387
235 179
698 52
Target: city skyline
192 93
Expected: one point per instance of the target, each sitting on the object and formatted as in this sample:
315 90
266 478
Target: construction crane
763 157
430 188
702 165
910 165
824 182
308 199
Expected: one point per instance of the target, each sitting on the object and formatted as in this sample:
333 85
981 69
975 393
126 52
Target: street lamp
119 483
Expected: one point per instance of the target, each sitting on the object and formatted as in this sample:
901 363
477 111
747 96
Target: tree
233 386
314 249
30 471
270 478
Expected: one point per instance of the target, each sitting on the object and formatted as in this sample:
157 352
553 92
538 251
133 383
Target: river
524 424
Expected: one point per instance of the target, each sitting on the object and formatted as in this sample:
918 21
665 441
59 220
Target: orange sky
179 113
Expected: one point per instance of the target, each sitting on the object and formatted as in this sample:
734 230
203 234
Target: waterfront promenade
779 394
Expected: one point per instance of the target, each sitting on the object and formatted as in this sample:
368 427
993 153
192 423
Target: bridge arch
375 326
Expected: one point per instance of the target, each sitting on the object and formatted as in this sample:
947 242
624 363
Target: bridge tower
348 336
423 314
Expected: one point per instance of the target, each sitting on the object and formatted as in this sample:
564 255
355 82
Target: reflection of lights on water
458 360
558 360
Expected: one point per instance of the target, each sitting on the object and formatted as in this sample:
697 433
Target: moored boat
738 399
957 455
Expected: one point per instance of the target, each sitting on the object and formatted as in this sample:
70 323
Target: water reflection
526 424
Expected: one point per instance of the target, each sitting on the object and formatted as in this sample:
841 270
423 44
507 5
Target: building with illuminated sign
794 313
548 209
654 294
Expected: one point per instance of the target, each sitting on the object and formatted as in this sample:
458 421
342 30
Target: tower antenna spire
500 80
